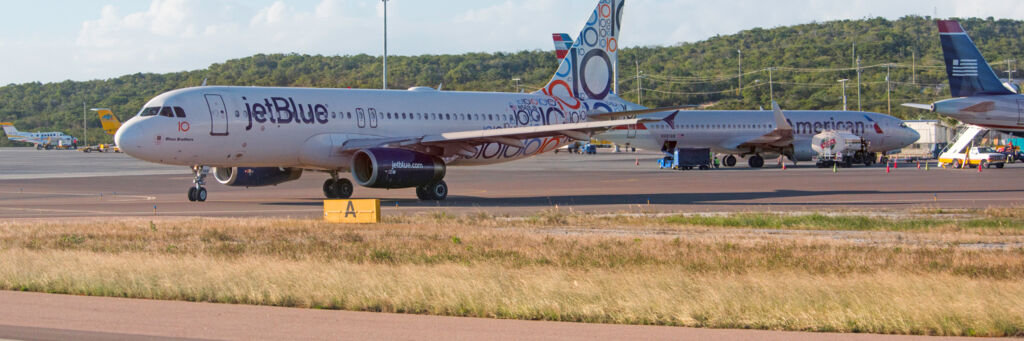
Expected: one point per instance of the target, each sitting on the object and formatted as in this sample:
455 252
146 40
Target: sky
56 40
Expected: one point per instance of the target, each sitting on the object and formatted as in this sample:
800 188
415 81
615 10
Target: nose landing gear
197 192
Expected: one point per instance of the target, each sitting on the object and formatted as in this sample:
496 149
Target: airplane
41 140
980 98
759 133
261 136
108 120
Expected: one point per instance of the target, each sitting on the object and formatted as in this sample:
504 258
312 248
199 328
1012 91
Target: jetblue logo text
282 110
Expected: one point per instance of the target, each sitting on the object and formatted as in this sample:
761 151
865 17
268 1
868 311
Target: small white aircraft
259 136
42 140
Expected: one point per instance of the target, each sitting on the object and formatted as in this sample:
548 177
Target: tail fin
562 44
588 69
9 129
969 73
109 121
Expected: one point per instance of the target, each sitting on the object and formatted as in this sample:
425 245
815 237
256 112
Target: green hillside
808 60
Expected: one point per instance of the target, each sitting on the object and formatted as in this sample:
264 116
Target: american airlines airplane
260 136
980 98
758 134
41 140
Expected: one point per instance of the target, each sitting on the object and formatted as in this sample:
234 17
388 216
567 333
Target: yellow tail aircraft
109 120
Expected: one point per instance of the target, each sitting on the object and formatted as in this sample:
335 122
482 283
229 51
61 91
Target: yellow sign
355 211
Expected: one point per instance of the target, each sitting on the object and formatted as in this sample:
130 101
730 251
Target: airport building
935 135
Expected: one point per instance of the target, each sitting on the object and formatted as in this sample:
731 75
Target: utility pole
888 87
85 126
913 67
385 44
844 80
858 84
739 76
639 85
517 83
771 89
1010 69
853 56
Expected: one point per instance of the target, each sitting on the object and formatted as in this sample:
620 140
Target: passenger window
151 111
166 112
178 111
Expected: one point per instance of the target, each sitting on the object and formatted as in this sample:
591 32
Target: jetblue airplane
758 133
980 98
41 140
260 136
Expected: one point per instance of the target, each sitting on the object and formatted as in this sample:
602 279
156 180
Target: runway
34 316
74 184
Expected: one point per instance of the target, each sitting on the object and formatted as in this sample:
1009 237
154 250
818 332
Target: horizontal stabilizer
928 107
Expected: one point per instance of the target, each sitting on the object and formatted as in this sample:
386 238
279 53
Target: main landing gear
197 192
433 191
755 161
335 188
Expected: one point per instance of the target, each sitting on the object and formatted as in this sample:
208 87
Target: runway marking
101 195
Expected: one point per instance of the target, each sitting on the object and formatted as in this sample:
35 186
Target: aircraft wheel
201 194
756 161
1000 165
329 189
434 191
730 161
342 189
191 194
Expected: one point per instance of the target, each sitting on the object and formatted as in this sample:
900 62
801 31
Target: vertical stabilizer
562 44
588 69
969 74
9 129
108 120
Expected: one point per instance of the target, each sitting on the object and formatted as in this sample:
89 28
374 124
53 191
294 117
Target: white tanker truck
840 148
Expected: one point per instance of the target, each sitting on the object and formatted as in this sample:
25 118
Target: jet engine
255 177
395 168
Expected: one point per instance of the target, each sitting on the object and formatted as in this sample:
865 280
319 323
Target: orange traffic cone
979 167
887 170
637 160
919 164
895 163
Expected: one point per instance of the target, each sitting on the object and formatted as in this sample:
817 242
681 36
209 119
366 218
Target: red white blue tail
969 73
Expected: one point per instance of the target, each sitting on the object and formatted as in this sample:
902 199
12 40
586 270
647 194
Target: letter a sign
355 211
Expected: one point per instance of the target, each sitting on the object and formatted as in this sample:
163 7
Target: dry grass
553 266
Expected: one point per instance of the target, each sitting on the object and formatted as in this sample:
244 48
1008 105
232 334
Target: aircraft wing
780 137
463 142
919 106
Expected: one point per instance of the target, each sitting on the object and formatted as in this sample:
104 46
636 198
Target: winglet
671 119
781 123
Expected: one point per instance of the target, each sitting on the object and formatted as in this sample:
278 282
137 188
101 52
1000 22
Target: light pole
844 80
739 76
85 126
771 88
517 83
385 44
858 84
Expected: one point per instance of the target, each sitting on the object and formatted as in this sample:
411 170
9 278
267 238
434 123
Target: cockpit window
151 111
903 125
166 112
178 111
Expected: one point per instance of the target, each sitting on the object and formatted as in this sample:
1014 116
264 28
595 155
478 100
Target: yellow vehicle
984 156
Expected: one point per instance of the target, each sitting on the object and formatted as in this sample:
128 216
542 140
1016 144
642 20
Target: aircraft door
373 117
631 131
1020 112
218 115
360 118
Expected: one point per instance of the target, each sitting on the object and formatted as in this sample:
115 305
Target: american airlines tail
588 70
969 73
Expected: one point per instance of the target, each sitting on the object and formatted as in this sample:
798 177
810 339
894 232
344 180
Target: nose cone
912 137
129 138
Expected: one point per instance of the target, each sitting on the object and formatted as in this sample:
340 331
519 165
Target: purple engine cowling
395 168
255 177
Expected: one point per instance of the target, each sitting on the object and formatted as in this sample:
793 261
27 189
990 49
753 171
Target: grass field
940 273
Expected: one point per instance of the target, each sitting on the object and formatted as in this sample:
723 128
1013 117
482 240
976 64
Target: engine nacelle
255 177
395 168
802 150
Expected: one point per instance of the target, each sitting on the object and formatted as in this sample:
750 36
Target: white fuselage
723 131
42 138
302 127
1002 112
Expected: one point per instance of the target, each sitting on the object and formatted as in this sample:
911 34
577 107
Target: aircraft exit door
218 115
1020 112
